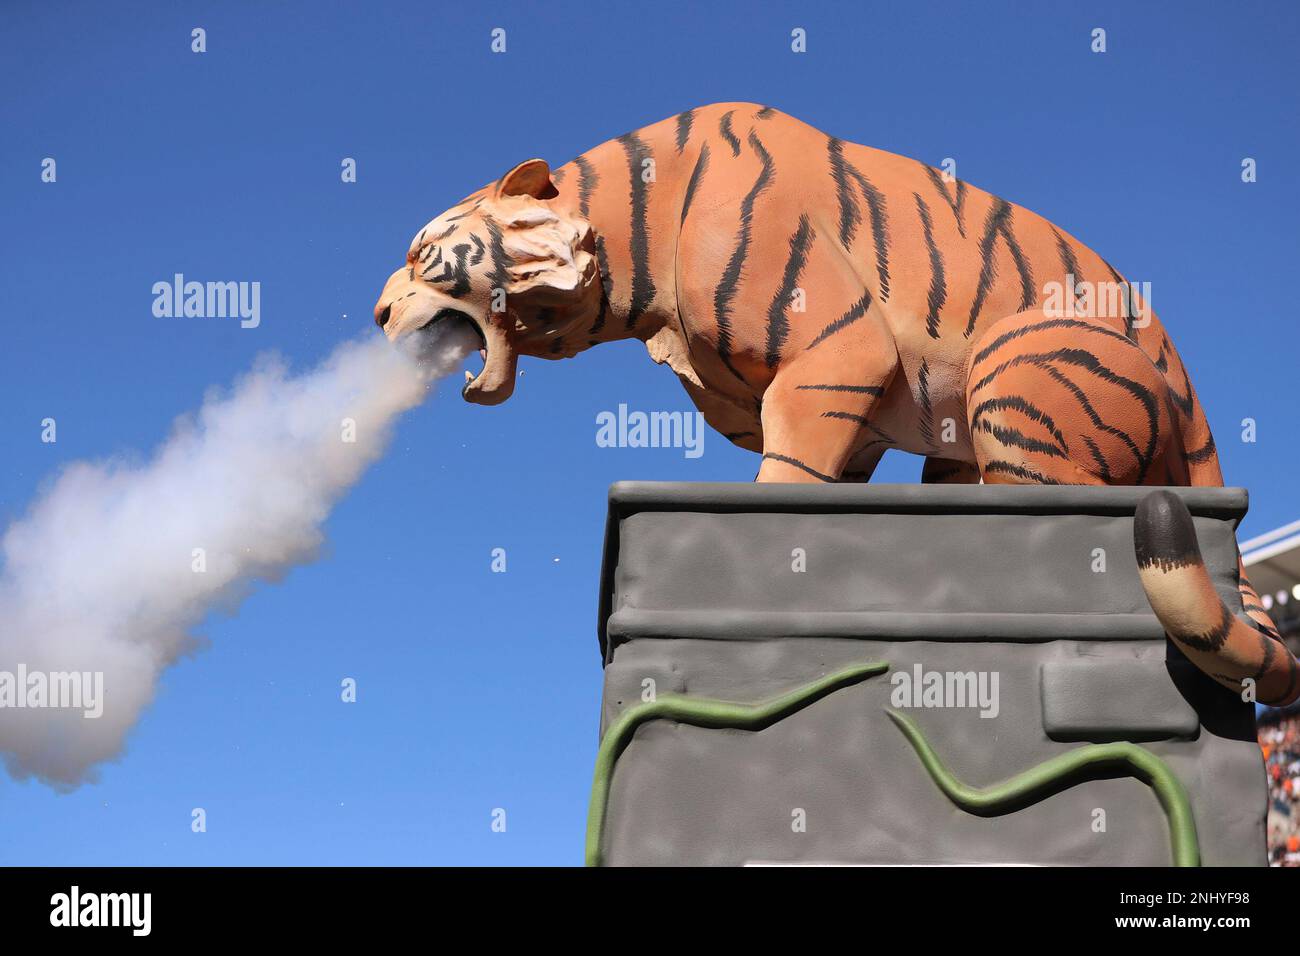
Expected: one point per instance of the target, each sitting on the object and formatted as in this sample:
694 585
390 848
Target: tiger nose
381 318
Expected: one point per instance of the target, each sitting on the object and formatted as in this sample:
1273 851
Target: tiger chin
823 302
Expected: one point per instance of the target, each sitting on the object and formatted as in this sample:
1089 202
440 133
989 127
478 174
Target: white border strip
1269 550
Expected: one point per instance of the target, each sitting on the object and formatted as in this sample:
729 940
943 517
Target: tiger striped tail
1180 591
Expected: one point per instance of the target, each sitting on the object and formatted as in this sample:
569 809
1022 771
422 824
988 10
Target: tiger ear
530 178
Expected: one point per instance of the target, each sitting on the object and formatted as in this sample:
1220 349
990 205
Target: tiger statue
823 302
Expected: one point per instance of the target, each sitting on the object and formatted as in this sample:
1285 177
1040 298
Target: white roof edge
1267 536
1269 550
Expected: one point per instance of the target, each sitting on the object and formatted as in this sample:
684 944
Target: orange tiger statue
823 302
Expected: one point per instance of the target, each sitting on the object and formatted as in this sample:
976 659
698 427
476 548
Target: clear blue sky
481 690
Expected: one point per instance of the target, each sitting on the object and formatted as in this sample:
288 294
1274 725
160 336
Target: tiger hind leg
1068 401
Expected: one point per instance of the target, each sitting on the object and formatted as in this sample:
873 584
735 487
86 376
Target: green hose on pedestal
1036 781
1004 797
701 712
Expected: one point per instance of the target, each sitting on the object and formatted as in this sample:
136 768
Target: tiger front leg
817 415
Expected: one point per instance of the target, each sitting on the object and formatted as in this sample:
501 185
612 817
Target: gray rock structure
1024 598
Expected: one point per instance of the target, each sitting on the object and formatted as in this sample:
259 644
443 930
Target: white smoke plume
100 574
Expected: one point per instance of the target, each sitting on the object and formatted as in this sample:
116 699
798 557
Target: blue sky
481 690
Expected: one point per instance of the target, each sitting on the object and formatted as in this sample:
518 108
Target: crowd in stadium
1279 738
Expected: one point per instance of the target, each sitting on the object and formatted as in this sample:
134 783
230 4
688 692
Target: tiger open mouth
449 338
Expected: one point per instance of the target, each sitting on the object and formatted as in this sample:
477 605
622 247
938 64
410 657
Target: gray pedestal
744 592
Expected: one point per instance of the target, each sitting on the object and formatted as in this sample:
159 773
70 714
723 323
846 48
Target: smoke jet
116 563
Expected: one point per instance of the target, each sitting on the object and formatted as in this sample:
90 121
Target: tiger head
506 260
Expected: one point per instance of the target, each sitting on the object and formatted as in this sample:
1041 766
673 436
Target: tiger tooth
469 376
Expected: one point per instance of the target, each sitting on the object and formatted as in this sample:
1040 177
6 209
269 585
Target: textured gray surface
700 598
1101 700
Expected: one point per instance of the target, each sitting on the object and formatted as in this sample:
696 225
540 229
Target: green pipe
1003 797
700 712
987 801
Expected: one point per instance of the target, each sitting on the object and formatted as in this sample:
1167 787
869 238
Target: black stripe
1022 330
478 202
938 287
843 171
726 290
643 286
850 214
588 179
606 285
862 420
926 426
1016 403
954 205
852 389
999 211
879 227
778 324
1204 453
1014 438
1269 648
1186 402
848 417
732 436
1264 628
798 464
697 174
1069 262
684 121
724 127
765 113
1028 294
1293 672
1214 638
1007 468
461 271
1102 465
855 312
445 275
431 259
1129 330
501 260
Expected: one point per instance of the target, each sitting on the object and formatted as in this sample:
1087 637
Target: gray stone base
700 597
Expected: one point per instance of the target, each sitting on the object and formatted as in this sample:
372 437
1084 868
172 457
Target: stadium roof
1273 560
